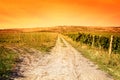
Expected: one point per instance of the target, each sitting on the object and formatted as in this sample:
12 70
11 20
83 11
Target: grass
43 41
7 62
100 57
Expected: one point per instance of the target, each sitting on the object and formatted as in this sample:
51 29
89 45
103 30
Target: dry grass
42 41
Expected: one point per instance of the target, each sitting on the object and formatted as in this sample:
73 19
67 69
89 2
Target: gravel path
63 63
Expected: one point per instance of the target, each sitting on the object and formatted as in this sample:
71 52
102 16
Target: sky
46 13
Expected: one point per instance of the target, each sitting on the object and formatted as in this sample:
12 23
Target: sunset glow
44 13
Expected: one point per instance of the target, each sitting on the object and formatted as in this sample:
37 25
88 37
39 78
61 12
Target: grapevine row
97 41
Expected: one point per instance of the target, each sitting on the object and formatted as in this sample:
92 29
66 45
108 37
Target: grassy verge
42 41
100 57
7 62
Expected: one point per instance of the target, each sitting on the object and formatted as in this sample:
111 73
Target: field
99 44
42 41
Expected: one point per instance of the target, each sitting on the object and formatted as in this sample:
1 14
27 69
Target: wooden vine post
110 47
99 42
93 41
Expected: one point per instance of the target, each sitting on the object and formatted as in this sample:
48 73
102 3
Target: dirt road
63 63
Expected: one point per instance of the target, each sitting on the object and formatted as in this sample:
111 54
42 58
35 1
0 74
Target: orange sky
42 13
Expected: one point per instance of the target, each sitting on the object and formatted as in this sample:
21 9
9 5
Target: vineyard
98 41
100 48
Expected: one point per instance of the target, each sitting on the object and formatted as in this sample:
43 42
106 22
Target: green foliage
7 61
116 44
97 41
102 42
83 38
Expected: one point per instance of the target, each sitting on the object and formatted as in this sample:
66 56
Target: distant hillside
9 30
66 29
90 29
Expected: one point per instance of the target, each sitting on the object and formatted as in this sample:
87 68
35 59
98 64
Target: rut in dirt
63 63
